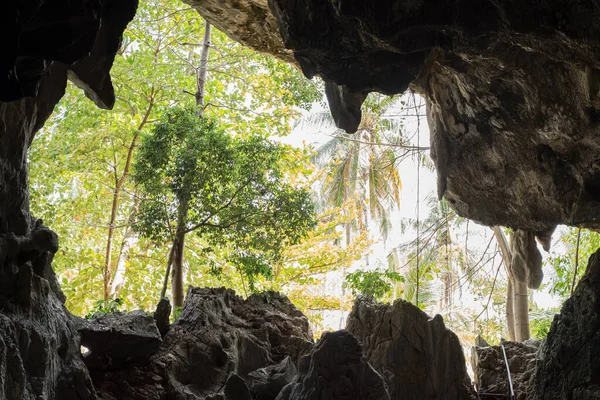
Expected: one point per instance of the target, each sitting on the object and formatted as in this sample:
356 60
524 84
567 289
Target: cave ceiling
512 89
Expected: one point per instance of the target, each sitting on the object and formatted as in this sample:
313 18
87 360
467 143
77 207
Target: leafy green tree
570 266
373 282
81 161
229 190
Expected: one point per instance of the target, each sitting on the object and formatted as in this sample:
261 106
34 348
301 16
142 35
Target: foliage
105 307
233 189
372 283
363 166
540 322
81 155
564 264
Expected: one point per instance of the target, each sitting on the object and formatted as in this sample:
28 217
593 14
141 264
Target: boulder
120 336
336 370
266 383
217 334
162 316
569 359
489 368
417 356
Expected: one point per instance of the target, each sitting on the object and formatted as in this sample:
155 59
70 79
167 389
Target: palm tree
362 168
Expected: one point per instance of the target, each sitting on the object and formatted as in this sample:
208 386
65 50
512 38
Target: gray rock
416 355
490 370
121 336
266 383
336 370
162 315
569 359
511 89
236 388
217 334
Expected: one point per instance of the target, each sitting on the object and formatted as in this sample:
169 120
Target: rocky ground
223 347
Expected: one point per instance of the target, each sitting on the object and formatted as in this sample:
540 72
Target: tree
373 283
362 168
523 263
79 171
229 190
569 267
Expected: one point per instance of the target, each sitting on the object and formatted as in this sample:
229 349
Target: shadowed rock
336 370
162 315
489 368
512 89
41 40
217 334
569 359
416 355
266 383
120 335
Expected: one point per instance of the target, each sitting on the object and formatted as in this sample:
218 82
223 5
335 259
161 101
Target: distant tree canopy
231 191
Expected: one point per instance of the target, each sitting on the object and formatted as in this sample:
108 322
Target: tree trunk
347 228
510 312
177 286
521 310
124 249
163 292
510 297
177 270
202 71
119 182
175 261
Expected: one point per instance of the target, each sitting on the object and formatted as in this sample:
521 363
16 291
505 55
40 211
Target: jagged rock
569 365
490 370
162 315
236 388
217 334
416 355
513 90
266 383
121 335
336 370
39 348
248 22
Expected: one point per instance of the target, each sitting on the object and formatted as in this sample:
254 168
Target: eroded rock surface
218 334
513 89
39 346
42 41
120 335
416 355
336 369
248 22
569 366
490 370
266 383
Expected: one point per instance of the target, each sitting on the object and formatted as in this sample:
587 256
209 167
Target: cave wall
44 44
512 89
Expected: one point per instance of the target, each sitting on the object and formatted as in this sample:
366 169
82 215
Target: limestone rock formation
266 383
162 316
248 22
218 334
569 366
416 355
120 335
39 348
43 42
513 90
336 370
490 370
